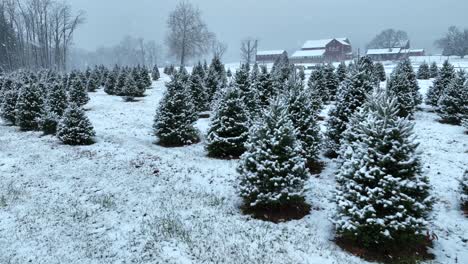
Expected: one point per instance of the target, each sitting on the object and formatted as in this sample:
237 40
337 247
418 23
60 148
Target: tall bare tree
389 38
187 35
249 50
455 42
218 48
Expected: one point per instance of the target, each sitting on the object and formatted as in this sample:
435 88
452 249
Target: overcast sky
278 24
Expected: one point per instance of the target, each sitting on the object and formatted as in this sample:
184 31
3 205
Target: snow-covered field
127 200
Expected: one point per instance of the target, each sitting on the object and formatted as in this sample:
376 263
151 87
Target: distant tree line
455 42
36 34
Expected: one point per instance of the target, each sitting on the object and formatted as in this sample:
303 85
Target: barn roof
321 43
270 52
308 53
383 51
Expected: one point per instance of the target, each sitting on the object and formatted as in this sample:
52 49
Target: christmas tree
198 92
464 191
404 87
353 93
331 82
75 128
341 72
383 200
263 87
453 103
424 73
55 104
229 127
130 89
273 171
317 84
28 107
434 70
77 93
441 82
248 95
111 81
173 123
8 103
379 72
155 73
303 114
92 83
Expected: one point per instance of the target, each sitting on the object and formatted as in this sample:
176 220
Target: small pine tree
424 73
442 81
263 87
155 73
353 93
77 93
141 79
198 92
330 80
229 73
198 70
242 82
93 83
173 123
229 128
54 106
8 106
383 200
303 114
48 120
74 127
434 70
341 72
464 190
453 103
29 107
379 71
302 75
281 70
404 87
111 81
316 84
366 65
130 89
254 73
145 76
272 171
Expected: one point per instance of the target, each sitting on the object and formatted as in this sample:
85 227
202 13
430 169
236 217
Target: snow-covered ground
127 200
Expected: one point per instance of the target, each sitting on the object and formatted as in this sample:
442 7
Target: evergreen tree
173 123
453 103
424 73
48 120
434 70
92 83
302 75
145 77
341 72
404 87
199 71
383 200
441 82
77 93
379 72
331 82
74 127
248 95
464 190
317 84
353 93
120 82
303 115
111 81
272 170
229 73
254 73
140 80
54 106
198 92
281 69
229 128
155 73
205 66
366 65
28 107
220 71
263 87
8 105
130 89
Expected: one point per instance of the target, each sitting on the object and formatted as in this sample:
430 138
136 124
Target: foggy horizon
278 25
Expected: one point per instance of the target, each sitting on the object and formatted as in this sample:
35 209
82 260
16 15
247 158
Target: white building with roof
323 50
269 56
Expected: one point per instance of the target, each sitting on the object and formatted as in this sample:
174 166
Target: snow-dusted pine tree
93 82
111 81
263 87
8 106
382 198
248 95
366 65
229 128
145 76
198 70
341 71
173 123
353 93
464 191
273 171
155 73
317 84
54 106
29 107
303 114
330 80
453 103
198 92
434 70
77 93
75 128
254 73
424 73
441 82
130 89
404 87
379 71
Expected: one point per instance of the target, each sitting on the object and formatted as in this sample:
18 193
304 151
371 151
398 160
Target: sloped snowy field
127 200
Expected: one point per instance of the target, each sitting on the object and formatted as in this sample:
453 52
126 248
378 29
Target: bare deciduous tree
218 48
455 42
187 35
389 38
249 50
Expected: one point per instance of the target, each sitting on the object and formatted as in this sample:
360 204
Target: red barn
323 50
269 56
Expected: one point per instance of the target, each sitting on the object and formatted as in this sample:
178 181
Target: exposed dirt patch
278 214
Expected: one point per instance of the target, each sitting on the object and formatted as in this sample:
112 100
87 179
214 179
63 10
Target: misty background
279 24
